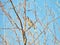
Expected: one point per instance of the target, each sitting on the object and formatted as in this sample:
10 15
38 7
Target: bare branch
9 17
17 14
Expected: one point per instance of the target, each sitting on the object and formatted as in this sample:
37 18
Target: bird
30 23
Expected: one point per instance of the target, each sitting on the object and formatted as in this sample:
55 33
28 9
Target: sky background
46 11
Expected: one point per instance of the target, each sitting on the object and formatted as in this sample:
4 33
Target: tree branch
9 17
17 14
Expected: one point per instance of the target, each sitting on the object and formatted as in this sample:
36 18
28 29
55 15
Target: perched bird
30 23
